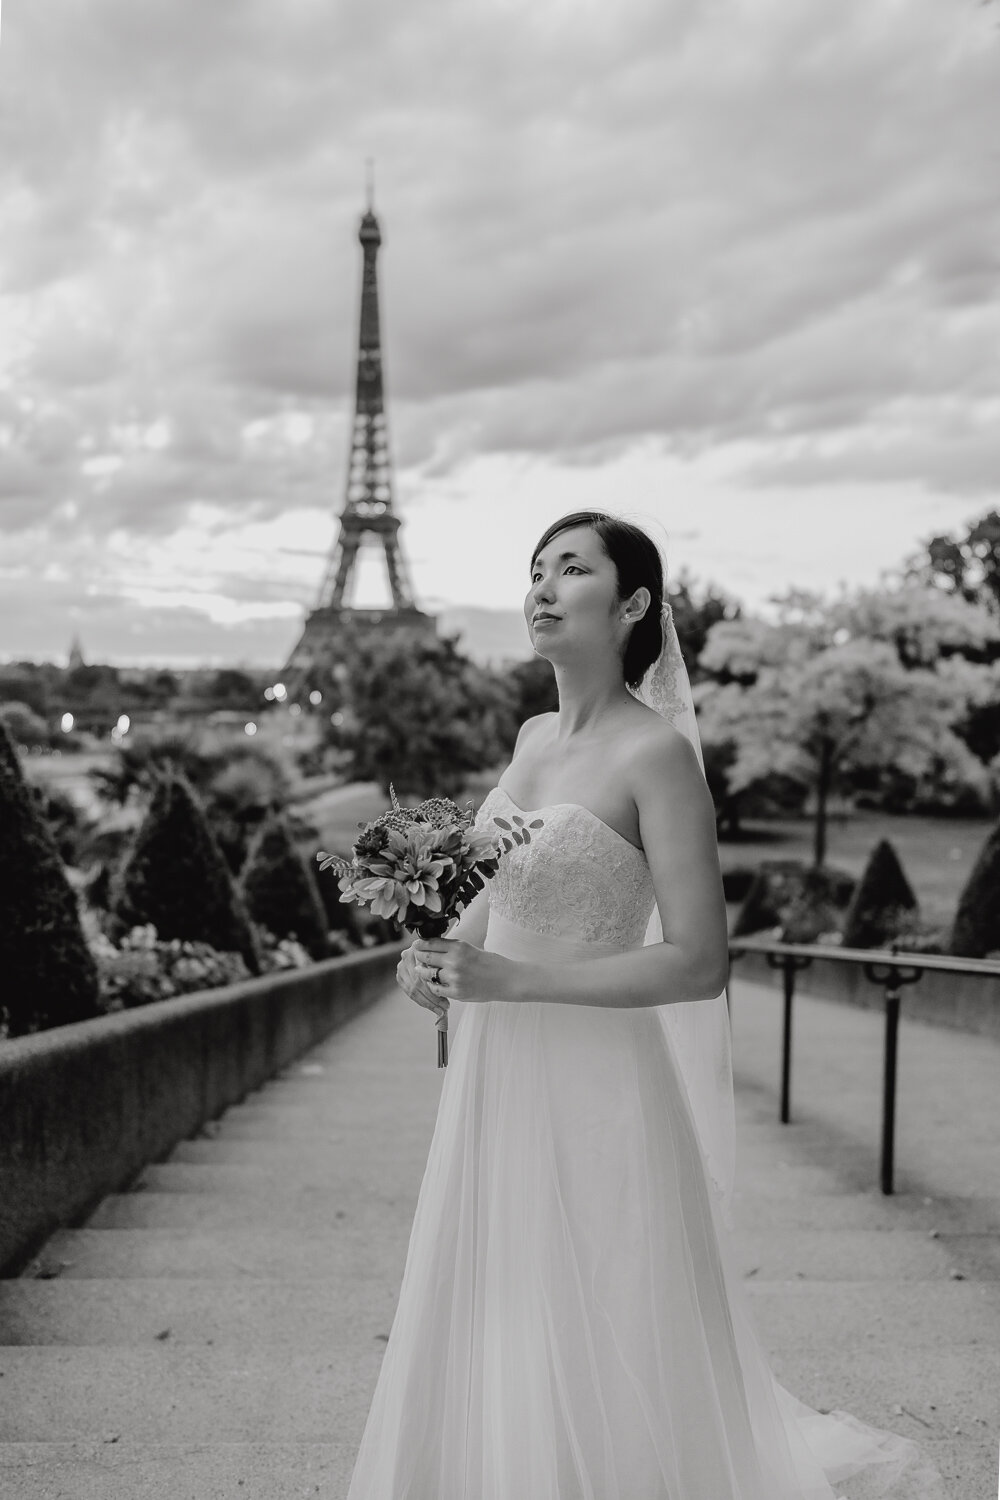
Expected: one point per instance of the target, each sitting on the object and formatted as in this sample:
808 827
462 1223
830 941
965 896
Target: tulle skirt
571 1323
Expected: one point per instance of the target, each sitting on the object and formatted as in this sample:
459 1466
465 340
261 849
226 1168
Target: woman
571 1325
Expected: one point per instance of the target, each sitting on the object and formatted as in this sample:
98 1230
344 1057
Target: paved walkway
217 1331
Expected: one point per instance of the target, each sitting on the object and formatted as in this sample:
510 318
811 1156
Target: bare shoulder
662 763
530 728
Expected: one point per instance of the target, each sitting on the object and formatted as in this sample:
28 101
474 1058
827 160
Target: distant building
75 655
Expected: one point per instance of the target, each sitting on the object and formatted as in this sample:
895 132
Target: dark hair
638 565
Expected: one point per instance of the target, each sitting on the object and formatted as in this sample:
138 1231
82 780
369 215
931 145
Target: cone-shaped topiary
280 889
176 877
48 973
882 896
976 929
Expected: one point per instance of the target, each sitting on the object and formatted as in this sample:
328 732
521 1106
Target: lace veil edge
698 1031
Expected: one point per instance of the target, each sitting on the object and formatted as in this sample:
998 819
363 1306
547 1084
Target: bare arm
471 925
677 825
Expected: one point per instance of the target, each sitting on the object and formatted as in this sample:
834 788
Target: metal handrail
892 969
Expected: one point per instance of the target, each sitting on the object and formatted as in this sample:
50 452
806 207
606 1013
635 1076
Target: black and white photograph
499 750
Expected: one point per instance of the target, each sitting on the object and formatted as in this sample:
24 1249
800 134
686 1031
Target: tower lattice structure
368 508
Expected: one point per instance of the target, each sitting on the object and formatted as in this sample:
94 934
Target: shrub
883 905
48 972
280 889
239 797
802 901
975 932
143 968
176 878
24 726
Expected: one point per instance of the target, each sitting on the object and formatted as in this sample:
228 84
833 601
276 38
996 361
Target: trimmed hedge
177 878
48 974
976 929
882 902
280 889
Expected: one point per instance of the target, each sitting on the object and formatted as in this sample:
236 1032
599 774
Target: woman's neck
588 699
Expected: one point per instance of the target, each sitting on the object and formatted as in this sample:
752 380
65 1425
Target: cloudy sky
729 267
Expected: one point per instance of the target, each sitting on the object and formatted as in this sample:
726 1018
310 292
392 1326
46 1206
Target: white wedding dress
571 1324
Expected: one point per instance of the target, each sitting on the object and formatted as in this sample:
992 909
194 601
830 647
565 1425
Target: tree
176 877
831 690
280 889
695 615
882 901
140 762
49 975
231 688
533 687
23 725
975 932
420 714
239 795
966 565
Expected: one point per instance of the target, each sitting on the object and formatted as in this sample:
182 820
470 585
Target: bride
572 1324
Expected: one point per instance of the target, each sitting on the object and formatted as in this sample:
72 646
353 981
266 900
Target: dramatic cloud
742 237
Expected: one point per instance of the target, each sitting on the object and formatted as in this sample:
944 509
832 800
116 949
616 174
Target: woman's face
572 600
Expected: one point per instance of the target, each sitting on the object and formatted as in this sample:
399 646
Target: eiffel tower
330 627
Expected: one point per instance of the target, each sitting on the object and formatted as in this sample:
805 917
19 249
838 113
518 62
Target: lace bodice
577 878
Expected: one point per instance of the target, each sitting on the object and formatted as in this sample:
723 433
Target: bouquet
419 866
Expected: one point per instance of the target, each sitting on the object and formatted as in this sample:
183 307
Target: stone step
269 1201
240 1311
272 1252
250 1179
860 1315
921 1393
835 1212
313 1156
358 1205
782 1199
92 1469
325 1314
187 1393
833 1254
350 1251
240 1394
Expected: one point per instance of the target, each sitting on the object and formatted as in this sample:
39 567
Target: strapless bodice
577 878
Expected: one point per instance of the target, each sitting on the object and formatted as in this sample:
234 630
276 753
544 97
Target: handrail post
893 979
889 1087
789 964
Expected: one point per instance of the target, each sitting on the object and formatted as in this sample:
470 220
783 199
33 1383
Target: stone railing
85 1107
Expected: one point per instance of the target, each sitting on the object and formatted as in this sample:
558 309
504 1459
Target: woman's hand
464 972
412 976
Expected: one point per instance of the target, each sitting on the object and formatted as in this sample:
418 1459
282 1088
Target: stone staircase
217 1330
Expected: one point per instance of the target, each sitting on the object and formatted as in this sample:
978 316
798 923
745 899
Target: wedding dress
571 1323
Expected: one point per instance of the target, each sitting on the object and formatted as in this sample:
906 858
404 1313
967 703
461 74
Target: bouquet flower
419 866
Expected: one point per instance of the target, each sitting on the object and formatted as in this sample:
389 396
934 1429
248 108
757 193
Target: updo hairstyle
638 565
